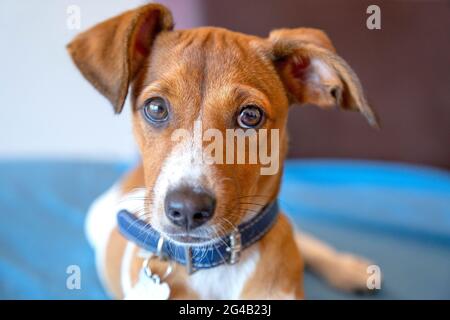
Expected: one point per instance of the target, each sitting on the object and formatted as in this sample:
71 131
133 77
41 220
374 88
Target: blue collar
227 249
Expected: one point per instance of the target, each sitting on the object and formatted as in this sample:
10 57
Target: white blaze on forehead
183 165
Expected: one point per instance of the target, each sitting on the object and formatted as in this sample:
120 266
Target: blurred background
383 194
49 110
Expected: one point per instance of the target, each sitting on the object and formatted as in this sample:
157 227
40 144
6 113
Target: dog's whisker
252 196
252 205
221 240
233 226
245 210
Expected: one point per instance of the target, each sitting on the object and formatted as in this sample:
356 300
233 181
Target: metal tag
149 287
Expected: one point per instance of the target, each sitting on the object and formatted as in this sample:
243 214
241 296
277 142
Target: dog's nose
189 208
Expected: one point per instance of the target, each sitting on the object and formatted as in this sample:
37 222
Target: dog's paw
349 273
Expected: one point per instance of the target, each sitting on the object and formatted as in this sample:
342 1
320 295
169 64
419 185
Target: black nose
189 208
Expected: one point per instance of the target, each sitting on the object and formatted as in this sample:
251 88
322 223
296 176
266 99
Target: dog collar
225 250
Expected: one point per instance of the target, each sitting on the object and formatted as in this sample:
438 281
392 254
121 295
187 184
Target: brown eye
155 110
251 116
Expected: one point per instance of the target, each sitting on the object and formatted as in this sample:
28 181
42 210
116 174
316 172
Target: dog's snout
189 208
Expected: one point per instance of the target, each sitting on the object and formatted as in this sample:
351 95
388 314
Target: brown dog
220 79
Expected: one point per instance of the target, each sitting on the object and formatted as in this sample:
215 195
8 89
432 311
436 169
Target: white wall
47 108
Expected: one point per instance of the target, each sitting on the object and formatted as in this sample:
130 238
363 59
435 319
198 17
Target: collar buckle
235 247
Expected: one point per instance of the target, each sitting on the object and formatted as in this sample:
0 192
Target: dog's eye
251 116
155 110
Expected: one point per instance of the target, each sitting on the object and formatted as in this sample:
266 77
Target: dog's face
206 79
192 91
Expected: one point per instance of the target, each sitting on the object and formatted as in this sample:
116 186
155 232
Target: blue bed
397 215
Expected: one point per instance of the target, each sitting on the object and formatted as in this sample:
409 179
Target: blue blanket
397 215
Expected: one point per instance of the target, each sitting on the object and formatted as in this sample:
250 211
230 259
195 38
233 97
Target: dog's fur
207 74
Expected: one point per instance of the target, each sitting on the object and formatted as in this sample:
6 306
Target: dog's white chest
225 281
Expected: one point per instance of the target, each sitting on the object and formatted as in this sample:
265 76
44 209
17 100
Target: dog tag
149 287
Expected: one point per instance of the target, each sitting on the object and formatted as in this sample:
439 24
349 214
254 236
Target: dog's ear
109 54
313 73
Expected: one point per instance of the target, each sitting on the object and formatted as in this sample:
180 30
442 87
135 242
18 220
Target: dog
220 79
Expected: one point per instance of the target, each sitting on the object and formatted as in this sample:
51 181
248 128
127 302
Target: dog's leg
342 270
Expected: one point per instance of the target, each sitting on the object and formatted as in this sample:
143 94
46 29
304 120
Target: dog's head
195 93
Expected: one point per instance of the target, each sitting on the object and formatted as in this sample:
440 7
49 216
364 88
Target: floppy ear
313 73
109 54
